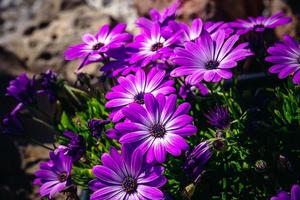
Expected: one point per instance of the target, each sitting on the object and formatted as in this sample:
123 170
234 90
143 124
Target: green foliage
287 105
81 173
233 172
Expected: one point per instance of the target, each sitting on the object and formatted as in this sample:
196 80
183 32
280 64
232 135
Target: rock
38 38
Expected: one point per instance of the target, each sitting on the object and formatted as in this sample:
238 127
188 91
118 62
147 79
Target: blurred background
35 33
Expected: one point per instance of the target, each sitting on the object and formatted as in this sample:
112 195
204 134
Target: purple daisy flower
163 19
119 64
209 59
153 46
157 128
286 58
95 47
54 175
22 89
133 88
126 177
196 160
214 27
192 33
295 194
218 117
260 23
96 126
76 146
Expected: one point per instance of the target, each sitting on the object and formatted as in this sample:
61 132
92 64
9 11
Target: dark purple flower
126 176
196 160
76 146
158 127
22 89
54 175
218 117
119 63
286 58
49 84
133 88
96 126
187 89
295 194
95 47
260 23
209 59
11 122
153 46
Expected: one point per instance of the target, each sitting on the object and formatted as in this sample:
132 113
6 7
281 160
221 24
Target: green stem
70 91
40 144
44 123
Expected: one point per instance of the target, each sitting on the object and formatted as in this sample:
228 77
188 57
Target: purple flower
22 89
187 89
126 176
286 58
133 88
196 160
95 47
260 23
218 117
76 146
209 59
153 46
11 122
158 127
119 64
163 19
113 133
49 84
96 126
192 33
54 175
214 27
295 194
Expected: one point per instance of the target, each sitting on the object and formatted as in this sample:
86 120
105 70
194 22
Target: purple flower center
139 98
158 130
62 177
213 64
98 46
157 46
256 26
129 184
219 145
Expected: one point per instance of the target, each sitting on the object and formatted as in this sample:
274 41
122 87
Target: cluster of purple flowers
25 91
143 103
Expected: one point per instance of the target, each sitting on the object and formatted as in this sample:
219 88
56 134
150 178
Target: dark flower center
258 26
213 64
299 60
98 46
158 130
219 144
129 184
62 177
139 98
157 46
